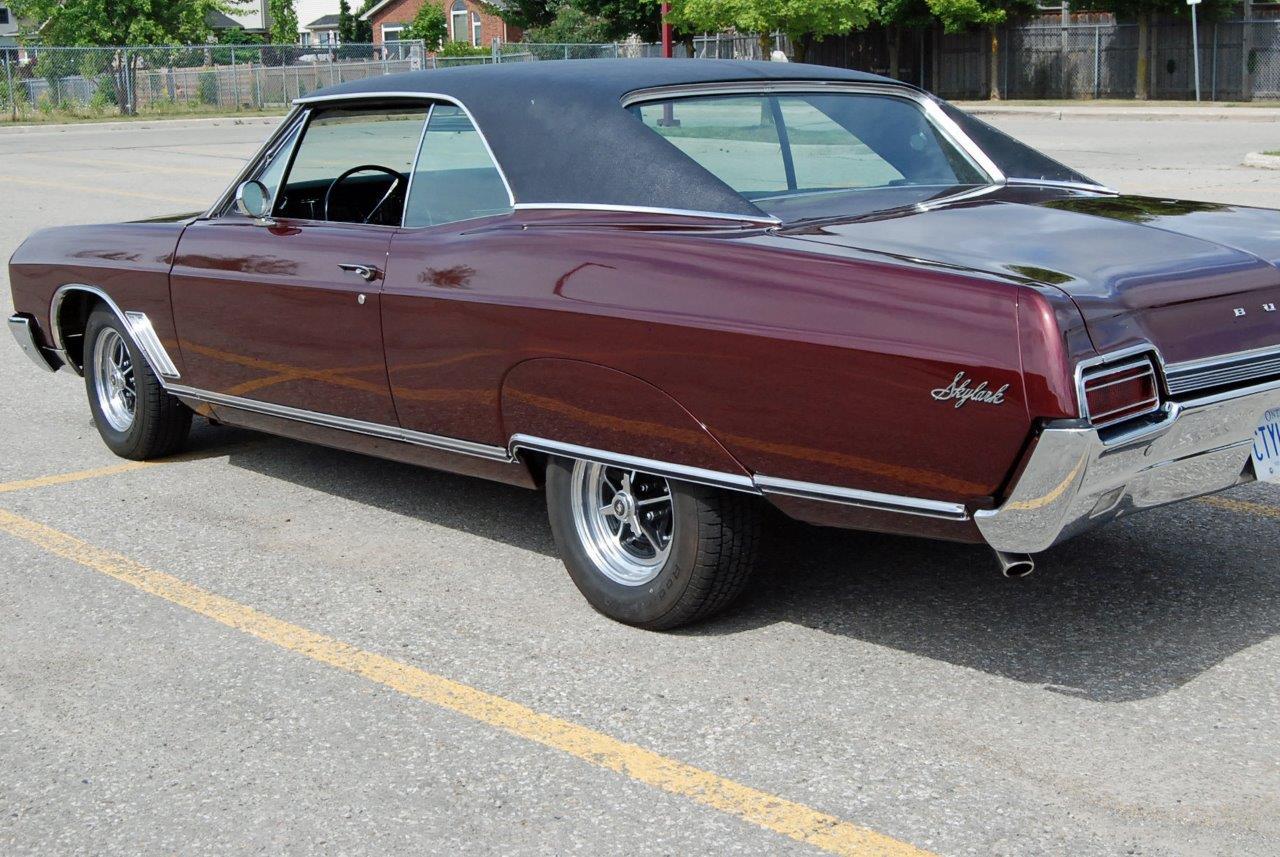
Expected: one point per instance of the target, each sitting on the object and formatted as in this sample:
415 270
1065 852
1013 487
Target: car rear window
776 147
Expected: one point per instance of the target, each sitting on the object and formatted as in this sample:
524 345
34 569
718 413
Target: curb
129 124
1141 114
1261 161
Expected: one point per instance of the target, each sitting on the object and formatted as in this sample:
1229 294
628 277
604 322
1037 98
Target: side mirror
253 200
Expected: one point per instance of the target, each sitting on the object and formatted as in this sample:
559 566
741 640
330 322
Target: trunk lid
1197 280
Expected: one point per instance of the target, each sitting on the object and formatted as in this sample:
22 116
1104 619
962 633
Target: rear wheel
135 416
649 551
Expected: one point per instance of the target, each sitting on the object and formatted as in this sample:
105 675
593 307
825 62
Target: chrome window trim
702 476
862 499
419 96
932 110
766 220
1086 186
251 167
136 324
413 167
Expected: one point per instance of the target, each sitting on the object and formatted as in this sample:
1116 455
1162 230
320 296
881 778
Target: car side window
455 177
273 170
353 165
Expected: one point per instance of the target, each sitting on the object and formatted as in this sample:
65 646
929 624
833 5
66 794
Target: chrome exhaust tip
1015 564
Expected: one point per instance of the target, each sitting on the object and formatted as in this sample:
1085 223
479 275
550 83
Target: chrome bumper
24 331
1079 478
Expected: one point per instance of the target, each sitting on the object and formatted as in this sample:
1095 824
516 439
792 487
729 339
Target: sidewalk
1137 111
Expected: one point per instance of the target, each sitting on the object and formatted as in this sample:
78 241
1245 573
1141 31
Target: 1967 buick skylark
673 291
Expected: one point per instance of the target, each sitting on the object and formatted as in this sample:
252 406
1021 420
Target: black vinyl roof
561 135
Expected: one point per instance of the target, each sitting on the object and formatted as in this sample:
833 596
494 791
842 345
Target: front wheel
648 551
135 416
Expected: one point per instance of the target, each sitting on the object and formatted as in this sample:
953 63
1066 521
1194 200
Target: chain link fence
89 82
1240 61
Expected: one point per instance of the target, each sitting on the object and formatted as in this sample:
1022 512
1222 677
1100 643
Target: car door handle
368 273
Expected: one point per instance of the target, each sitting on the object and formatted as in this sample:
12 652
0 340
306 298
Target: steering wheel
399 178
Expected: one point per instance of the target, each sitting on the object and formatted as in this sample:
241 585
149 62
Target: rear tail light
1113 394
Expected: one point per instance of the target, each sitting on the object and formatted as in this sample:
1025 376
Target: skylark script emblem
962 392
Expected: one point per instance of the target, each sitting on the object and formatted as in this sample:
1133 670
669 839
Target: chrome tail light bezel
1121 367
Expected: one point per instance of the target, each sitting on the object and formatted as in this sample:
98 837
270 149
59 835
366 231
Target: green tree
957 15
525 14
619 19
571 25
1142 12
346 23
83 23
284 22
430 25
899 15
801 20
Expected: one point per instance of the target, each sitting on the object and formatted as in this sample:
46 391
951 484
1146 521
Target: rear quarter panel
807 365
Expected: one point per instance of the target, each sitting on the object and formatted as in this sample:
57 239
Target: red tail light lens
1116 393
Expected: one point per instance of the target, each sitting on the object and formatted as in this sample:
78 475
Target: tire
706 543
135 416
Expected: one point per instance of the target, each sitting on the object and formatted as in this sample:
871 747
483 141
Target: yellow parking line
1242 506
76 476
90 188
770 812
126 467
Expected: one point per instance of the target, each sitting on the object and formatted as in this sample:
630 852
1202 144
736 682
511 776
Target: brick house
468 21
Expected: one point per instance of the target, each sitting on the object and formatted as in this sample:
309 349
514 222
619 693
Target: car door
285 310
446 344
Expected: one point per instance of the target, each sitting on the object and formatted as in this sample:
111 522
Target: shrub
207 88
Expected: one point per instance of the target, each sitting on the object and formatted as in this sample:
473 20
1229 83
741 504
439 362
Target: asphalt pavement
267 647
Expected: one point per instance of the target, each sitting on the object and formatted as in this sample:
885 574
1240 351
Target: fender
557 405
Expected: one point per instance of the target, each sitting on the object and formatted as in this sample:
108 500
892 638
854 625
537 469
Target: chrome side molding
144 334
414 438
136 324
864 499
714 478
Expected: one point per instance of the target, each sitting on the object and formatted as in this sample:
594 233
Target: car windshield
800 155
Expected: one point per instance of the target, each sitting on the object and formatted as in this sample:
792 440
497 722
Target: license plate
1266 448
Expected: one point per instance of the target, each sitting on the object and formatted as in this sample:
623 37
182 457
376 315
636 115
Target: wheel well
73 316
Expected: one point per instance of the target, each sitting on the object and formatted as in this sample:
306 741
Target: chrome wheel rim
113 380
625 520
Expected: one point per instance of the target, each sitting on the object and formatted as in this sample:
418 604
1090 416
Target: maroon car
671 292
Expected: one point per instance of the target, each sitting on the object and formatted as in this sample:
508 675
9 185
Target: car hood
1173 272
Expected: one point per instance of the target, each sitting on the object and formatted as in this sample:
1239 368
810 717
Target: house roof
383 4
561 134
324 22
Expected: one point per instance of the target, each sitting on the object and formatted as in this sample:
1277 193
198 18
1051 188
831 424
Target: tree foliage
622 18
430 25
120 22
957 15
798 19
571 25
284 22
525 14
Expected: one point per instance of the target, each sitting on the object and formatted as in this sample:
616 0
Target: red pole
666 31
